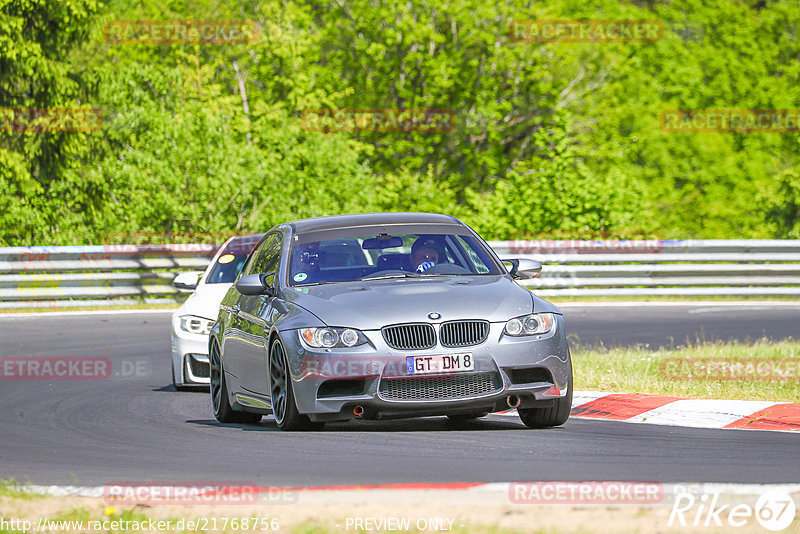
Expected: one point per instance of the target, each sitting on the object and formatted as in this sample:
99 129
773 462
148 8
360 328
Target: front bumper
189 358
330 384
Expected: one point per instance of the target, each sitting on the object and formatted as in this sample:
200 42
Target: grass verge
358 511
13 489
763 370
335 513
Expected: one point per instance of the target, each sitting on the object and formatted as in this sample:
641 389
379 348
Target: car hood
204 302
372 304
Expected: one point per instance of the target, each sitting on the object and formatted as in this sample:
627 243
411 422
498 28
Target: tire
464 417
553 416
223 411
284 407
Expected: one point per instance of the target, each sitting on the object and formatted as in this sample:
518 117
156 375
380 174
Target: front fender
293 317
542 306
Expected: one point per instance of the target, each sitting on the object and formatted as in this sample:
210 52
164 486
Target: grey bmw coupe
389 315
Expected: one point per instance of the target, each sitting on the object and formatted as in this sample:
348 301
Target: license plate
442 363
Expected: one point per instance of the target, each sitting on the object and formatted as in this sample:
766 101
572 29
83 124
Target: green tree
198 137
783 209
554 194
36 40
550 139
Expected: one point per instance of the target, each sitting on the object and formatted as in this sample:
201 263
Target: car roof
249 237
246 242
332 222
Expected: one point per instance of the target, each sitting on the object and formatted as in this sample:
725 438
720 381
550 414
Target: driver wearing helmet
426 252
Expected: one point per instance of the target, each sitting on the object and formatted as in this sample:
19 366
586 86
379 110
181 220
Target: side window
251 261
268 256
248 267
476 264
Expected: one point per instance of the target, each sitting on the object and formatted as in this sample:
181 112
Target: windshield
385 256
228 264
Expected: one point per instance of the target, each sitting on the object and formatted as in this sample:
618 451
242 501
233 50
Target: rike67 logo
774 510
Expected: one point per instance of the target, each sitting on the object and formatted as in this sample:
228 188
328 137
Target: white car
192 322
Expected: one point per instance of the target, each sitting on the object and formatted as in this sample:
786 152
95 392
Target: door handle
235 309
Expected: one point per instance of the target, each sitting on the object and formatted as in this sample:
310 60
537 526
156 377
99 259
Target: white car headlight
327 338
530 325
196 325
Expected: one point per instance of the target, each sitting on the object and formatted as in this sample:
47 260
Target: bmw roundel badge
434 316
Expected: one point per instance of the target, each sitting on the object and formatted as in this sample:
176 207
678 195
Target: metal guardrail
758 267
54 277
129 274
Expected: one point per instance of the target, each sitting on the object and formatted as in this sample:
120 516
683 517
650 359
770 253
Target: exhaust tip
358 411
513 401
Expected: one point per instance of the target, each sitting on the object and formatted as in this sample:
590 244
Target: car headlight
530 325
328 338
196 325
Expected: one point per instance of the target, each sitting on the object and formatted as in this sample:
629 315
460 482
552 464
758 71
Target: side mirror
187 280
254 284
523 268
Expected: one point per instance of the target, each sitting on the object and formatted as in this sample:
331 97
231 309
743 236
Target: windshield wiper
404 275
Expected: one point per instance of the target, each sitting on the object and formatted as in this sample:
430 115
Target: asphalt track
134 427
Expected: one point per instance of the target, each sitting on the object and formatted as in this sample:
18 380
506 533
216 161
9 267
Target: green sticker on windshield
299 277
